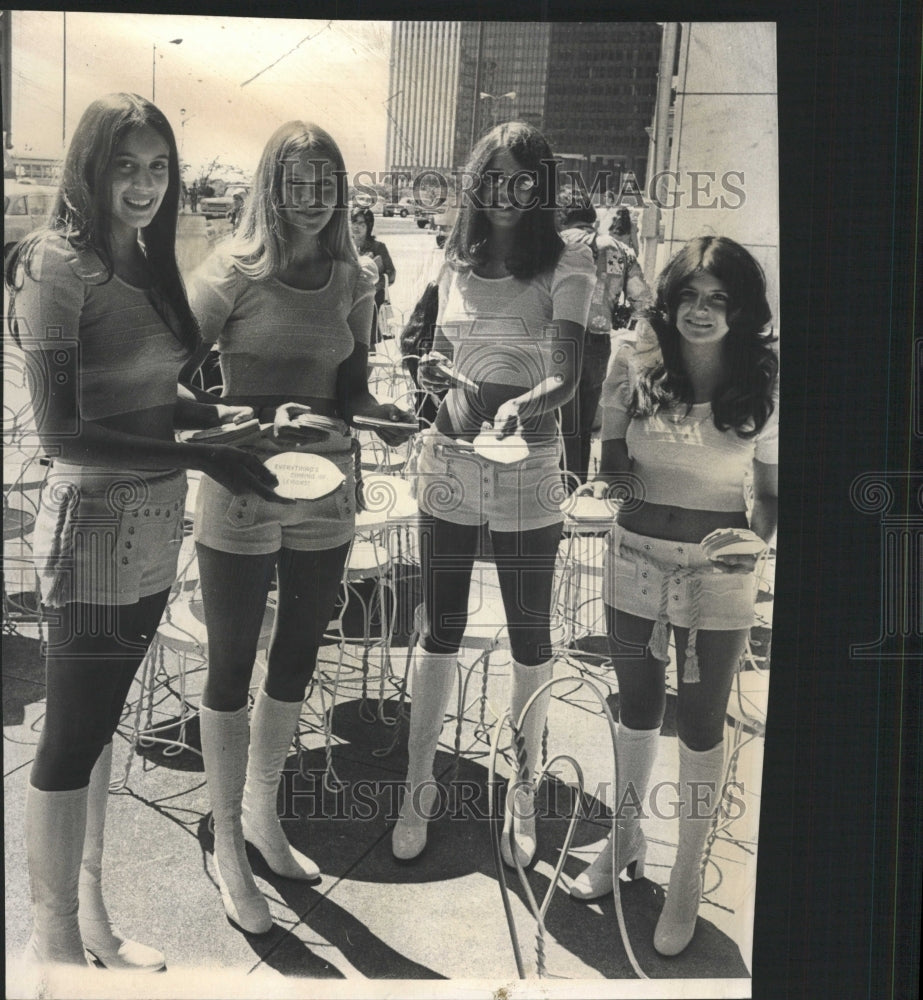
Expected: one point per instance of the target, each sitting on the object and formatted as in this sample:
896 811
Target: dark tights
92 656
525 567
234 591
701 707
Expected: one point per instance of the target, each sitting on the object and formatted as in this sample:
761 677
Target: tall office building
590 87
421 102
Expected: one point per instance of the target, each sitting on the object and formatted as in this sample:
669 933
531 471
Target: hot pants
247 524
107 536
455 484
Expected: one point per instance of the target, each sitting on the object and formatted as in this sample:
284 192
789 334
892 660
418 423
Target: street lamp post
510 95
173 41
182 129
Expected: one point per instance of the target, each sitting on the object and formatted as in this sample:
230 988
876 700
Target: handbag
417 340
385 312
417 335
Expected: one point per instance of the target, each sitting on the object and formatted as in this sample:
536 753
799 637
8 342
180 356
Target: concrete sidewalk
371 921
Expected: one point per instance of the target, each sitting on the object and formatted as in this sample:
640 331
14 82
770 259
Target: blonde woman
289 307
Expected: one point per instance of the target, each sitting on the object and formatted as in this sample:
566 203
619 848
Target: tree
214 175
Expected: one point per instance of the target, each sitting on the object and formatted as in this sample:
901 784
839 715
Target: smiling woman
98 306
692 426
288 304
139 181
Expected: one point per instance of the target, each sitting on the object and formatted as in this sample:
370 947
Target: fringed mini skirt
674 583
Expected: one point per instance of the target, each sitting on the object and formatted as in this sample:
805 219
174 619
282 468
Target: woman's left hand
734 564
733 550
507 419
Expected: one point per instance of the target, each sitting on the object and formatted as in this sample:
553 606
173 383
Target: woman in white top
682 436
513 303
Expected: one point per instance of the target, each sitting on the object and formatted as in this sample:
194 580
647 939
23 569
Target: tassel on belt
658 645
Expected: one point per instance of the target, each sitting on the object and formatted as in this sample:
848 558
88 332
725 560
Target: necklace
682 418
687 421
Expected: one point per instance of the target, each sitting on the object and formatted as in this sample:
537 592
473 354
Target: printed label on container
304 477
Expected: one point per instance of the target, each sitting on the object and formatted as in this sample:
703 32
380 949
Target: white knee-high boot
225 741
100 937
519 817
271 730
637 751
432 682
55 826
700 776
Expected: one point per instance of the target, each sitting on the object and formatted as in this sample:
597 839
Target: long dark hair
82 207
538 246
743 401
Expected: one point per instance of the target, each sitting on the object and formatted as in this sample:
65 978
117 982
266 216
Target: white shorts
107 536
455 484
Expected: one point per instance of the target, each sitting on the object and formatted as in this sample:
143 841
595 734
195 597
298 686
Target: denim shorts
107 536
455 484
674 581
248 525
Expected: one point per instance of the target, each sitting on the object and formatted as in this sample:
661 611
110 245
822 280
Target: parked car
429 218
443 223
25 207
218 206
402 207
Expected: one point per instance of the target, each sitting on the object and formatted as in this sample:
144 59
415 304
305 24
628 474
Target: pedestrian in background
622 228
362 222
103 276
289 305
507 279
694 426
237 205
620 295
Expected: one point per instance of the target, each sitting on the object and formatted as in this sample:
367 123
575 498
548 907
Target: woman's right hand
241 472
432 374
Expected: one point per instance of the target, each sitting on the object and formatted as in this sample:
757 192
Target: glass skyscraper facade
589 86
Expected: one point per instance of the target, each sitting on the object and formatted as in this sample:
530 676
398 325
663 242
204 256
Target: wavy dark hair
538 246
743 401
81 212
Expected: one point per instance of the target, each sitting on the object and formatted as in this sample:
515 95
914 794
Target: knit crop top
276 340
681 458
501 328
128 357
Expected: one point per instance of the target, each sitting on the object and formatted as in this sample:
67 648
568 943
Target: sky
224 88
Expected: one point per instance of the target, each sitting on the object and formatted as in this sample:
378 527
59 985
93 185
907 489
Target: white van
25 207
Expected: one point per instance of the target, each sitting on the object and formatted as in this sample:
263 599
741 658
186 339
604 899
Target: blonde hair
259 249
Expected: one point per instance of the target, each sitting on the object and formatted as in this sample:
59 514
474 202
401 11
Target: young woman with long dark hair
99 308
513 303
692 435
